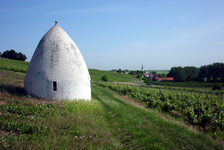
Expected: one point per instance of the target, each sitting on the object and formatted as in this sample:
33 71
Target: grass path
139 129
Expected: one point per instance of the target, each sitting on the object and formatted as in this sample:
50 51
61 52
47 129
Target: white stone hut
57 69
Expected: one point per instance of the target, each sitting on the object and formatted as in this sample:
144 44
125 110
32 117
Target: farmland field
112 76
198 108
21 66
110 121
189 84
159 71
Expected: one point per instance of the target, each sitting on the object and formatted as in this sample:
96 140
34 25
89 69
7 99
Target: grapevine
204 108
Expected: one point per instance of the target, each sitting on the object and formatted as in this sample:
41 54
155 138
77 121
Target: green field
111 76
21 66
13 65
109 121
159 71
189 84
202 109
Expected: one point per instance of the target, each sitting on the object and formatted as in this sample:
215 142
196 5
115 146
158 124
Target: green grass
66 125
106 122
21 66
111 76
159 71
13 65
29 123
140 129
190 84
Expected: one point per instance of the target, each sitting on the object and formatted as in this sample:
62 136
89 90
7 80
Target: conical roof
57 69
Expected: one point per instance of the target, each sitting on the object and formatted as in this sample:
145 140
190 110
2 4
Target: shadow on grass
12 89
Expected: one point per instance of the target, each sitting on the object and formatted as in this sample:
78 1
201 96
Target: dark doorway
54 86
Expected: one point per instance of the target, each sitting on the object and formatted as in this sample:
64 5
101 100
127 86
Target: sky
126 34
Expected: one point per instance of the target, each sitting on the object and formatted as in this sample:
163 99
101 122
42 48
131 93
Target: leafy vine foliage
203 109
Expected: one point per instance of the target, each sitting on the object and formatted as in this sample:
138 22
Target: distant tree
119 71
147 80
154 73
217 86
212 73
208 73
180 74
21 56
162 75
139 71
203 74
177 73
12 54
132 72
126 70
218 72
104 78
191 73
139 74
0 54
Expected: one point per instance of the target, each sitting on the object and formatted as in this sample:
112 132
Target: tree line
212 73
207 73
12 54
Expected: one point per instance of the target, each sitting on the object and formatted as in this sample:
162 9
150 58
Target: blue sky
121 33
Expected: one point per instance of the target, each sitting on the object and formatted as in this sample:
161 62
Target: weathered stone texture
57 58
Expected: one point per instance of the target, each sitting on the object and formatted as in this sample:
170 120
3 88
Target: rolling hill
21 66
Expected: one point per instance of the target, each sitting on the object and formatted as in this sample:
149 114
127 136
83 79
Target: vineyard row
207 110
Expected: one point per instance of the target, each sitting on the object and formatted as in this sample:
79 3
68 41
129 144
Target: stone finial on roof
56 23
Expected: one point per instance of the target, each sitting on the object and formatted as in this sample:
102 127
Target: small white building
57 69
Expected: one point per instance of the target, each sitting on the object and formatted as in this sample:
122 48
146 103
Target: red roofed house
146 75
